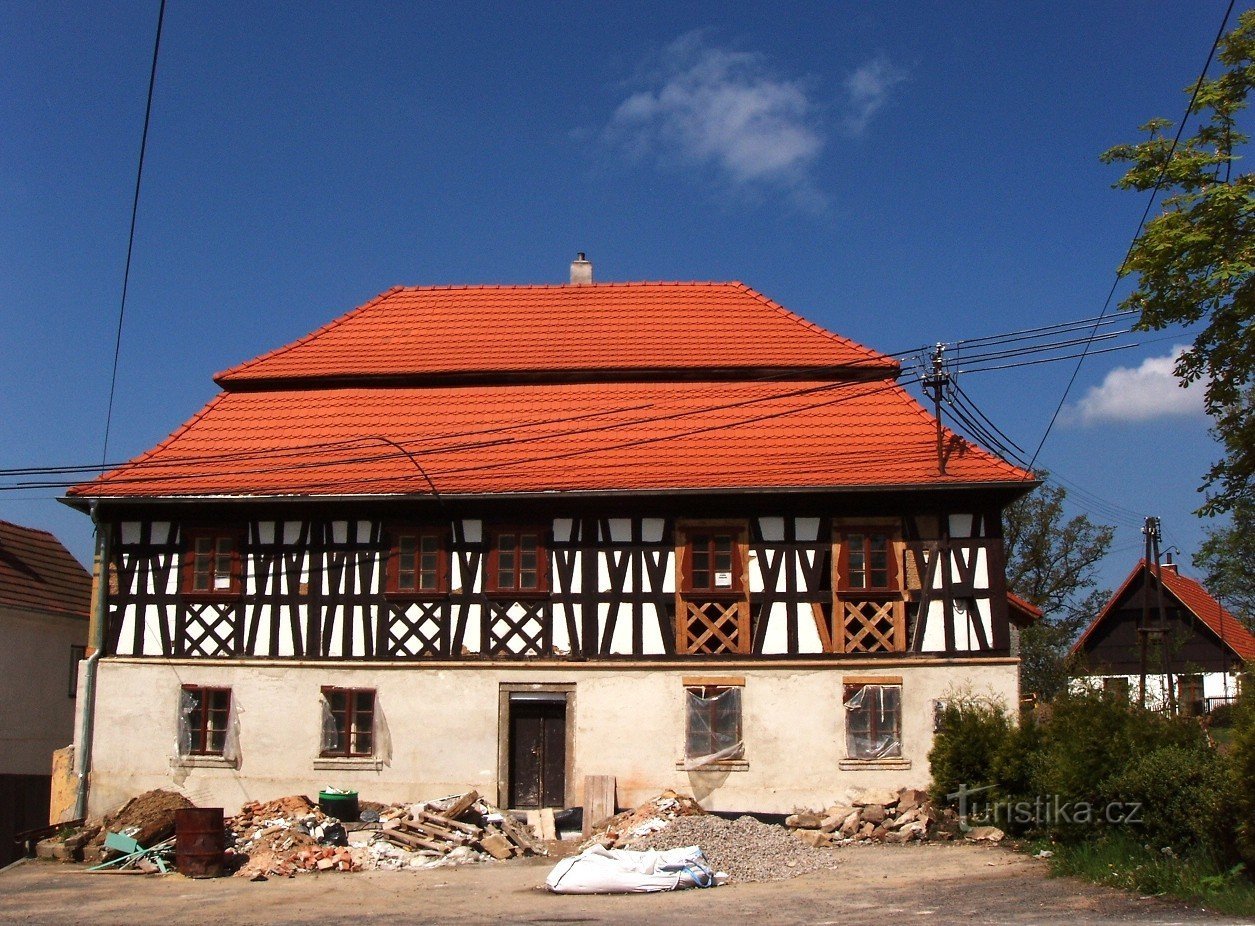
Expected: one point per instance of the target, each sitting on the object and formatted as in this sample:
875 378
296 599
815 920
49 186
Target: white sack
620 871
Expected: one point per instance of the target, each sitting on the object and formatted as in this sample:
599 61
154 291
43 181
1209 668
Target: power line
1163 173
130 241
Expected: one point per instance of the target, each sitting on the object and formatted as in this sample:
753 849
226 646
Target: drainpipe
95 643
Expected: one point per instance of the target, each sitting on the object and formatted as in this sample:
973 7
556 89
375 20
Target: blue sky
900 174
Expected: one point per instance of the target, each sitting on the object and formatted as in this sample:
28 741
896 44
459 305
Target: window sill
854 765
734 765
343 764
202 762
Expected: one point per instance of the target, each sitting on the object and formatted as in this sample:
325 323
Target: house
505 537
44 598
1198 645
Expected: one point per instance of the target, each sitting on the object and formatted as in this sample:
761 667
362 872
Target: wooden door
537 754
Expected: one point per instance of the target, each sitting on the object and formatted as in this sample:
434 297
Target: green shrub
1222 716
971 733
1241 762
1182 793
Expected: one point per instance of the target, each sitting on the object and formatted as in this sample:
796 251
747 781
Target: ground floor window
348 723
712 725
1190 695
873 721
1116 686
204 720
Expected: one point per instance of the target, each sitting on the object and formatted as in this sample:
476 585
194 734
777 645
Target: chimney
581 270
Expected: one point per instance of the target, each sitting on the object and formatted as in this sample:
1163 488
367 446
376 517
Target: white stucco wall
443 722
36 710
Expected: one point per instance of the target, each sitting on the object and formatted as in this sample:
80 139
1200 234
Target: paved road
927 884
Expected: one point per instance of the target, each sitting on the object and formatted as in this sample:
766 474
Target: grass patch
1120 861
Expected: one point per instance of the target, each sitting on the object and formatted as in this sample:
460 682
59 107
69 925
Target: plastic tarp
714 720
872 721
621 871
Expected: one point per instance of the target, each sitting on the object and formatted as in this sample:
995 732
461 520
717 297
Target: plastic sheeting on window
330 731
231 742
873 722
183 736
713 730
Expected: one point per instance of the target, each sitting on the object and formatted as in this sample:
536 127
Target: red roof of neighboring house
603 326
472 390
1027 612
37 573
1194 598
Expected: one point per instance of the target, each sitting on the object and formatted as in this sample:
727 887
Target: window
712 725
1117 687
867 561
418 563
714 561
873 721
211 563
1190 695
348 722
77 654
204 715
518 561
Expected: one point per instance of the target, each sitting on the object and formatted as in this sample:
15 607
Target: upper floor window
714 561
866 561
517 561
418 562
211 562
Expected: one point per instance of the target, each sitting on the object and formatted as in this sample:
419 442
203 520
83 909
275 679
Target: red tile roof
1194 598
37 573
604 326
475 386
556 438
1023 612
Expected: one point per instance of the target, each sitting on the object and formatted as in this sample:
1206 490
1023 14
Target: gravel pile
745 848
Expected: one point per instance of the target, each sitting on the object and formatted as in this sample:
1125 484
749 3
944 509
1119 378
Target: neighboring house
506 537
44 599
1199 645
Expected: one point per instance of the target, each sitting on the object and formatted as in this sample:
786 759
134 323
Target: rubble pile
746 848
147 818
291 834
650 817
875 816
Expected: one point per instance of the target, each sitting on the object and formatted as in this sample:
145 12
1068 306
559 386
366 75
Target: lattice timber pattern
714 627
871 626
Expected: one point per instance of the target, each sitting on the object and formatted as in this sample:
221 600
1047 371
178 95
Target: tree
1052 562
1195 262
1227 558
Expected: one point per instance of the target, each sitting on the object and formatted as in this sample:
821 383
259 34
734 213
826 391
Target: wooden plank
548 826
871 679
719 681
517 836
461 805
447 823
410 839
599 791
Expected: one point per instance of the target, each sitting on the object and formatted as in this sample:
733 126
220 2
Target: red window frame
407 574
510 563
862 562
703 557
208 720
205 545
353 713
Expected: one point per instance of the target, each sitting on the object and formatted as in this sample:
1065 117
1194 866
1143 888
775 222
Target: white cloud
1149 390
867 91
727 110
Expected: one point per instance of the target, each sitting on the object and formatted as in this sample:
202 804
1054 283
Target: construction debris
147 818
746 848
875 816
650 817
291 834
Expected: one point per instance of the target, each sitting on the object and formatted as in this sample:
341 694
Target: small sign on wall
723 580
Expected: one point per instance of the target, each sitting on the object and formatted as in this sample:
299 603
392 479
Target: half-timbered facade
506 537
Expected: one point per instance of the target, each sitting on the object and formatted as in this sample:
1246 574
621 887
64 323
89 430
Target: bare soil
921 883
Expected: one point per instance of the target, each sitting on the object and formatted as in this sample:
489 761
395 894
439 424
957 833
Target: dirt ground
927 883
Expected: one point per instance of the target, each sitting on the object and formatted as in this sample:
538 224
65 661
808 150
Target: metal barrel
199 841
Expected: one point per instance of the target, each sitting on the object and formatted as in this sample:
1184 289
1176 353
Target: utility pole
1143 627
1165 647
935 381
